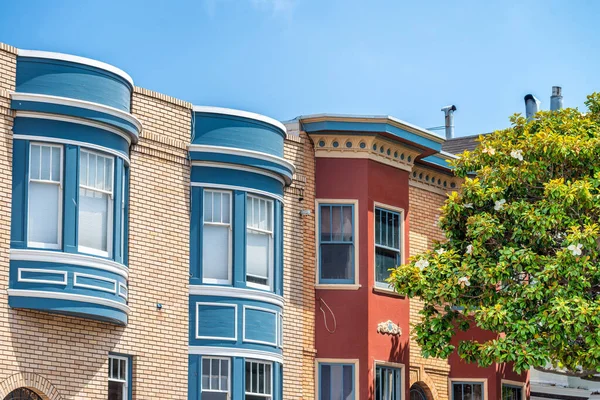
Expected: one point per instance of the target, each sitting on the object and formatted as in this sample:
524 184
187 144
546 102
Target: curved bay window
259 242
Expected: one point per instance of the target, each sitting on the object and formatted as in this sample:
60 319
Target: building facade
158 250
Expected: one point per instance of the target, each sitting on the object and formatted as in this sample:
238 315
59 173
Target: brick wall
299 275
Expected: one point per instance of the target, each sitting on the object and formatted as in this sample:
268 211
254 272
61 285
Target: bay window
387 244
216 237
336 243
95 203
45 196
259 378
259 242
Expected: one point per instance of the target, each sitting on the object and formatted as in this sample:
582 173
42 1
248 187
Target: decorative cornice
433 180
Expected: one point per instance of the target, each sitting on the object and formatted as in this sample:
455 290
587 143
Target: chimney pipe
556 100
532 105
449 120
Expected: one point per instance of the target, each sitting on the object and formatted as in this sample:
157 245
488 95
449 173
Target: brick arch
426 383
29 380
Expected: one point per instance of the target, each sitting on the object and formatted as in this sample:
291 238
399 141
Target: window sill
337 286
389 292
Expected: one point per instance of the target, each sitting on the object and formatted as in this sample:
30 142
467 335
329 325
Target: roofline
242 114
78 60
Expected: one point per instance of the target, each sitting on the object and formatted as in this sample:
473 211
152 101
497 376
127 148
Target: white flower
468 205
464 281
518 154
440 251
470 249
422 264
489 150
576 250
499 204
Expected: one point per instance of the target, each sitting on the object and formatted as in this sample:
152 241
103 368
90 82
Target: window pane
336 223
115 390
384 260
325 223
108 180
34 162
270 216
248 376
378 385
46 163
378 238
336 382
83 169
115 368
396 230
214 374
91 169
457 392
44 199
224 380
348 382
215 252
123 369
262 224
208 206
205 373
336 261
216 216
325 384
255 213
347 229
226 201
93 219
477 392
257 254
100 172
56 161
268 378
261 378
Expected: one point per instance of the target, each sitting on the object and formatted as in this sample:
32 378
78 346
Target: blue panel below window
216 321
234 177
260 325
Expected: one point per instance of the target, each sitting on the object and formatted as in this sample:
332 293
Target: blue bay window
336 244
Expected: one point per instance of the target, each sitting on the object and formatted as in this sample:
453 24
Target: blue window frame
336 243
467 391
336 381
512 392
388 241
388 383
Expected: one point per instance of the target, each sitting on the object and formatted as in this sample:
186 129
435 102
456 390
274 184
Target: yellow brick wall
298 277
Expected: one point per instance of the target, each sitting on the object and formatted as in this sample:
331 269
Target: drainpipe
449 120
532 106
556 100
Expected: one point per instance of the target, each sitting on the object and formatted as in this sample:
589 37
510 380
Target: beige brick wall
298 277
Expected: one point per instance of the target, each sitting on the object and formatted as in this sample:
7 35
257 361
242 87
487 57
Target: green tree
522 255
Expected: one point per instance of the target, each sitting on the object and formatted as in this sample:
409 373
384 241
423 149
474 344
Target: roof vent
556 100
449 123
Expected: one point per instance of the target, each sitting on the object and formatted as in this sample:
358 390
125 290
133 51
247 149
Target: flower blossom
470 249
518 154
440 251
489 150
422 264
468 205
575 249
464 281
499 204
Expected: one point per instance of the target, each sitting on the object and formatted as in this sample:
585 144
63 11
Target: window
259 380
512 392
336 381
387 383
123 212
95 203
118 378
215 378
467 391
336 243
216 237
387 244
45 196
259 242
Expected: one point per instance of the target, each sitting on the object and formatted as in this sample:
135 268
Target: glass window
511 392
95 203
216 237
259 378
45 196
336 381
336 243
387 383
467 391
388 239
215 378
118 378
259 242
123 211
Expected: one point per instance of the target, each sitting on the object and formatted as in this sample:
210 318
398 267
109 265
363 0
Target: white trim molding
239 293
242 114
88 105
77 60
224 305
267 310
68 296
242 188
238 167
236 352
44 271
58 257
94 287
202 148
345 361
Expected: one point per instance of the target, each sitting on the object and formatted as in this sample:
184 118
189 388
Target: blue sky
285 58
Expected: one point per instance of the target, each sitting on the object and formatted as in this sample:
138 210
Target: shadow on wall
70 353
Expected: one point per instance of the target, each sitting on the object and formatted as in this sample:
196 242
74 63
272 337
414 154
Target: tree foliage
522 256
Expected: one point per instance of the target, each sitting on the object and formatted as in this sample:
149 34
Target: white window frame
126 381
390 365
482 381
337 286
344 361
110 211
42 245
271 234
521 385
228 281
378 286
254 361
228 391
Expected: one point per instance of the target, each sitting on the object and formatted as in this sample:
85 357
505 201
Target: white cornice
78 60
236 352
228 291
68 296
58 257
242 114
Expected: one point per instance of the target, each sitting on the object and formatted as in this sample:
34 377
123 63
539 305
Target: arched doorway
22 394
417 392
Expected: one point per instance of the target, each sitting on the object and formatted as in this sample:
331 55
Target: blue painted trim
126 217
224 176
376 127
196 236
194 376
238 378
18 226
319 383
353 242
278 239
439 160
71 198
